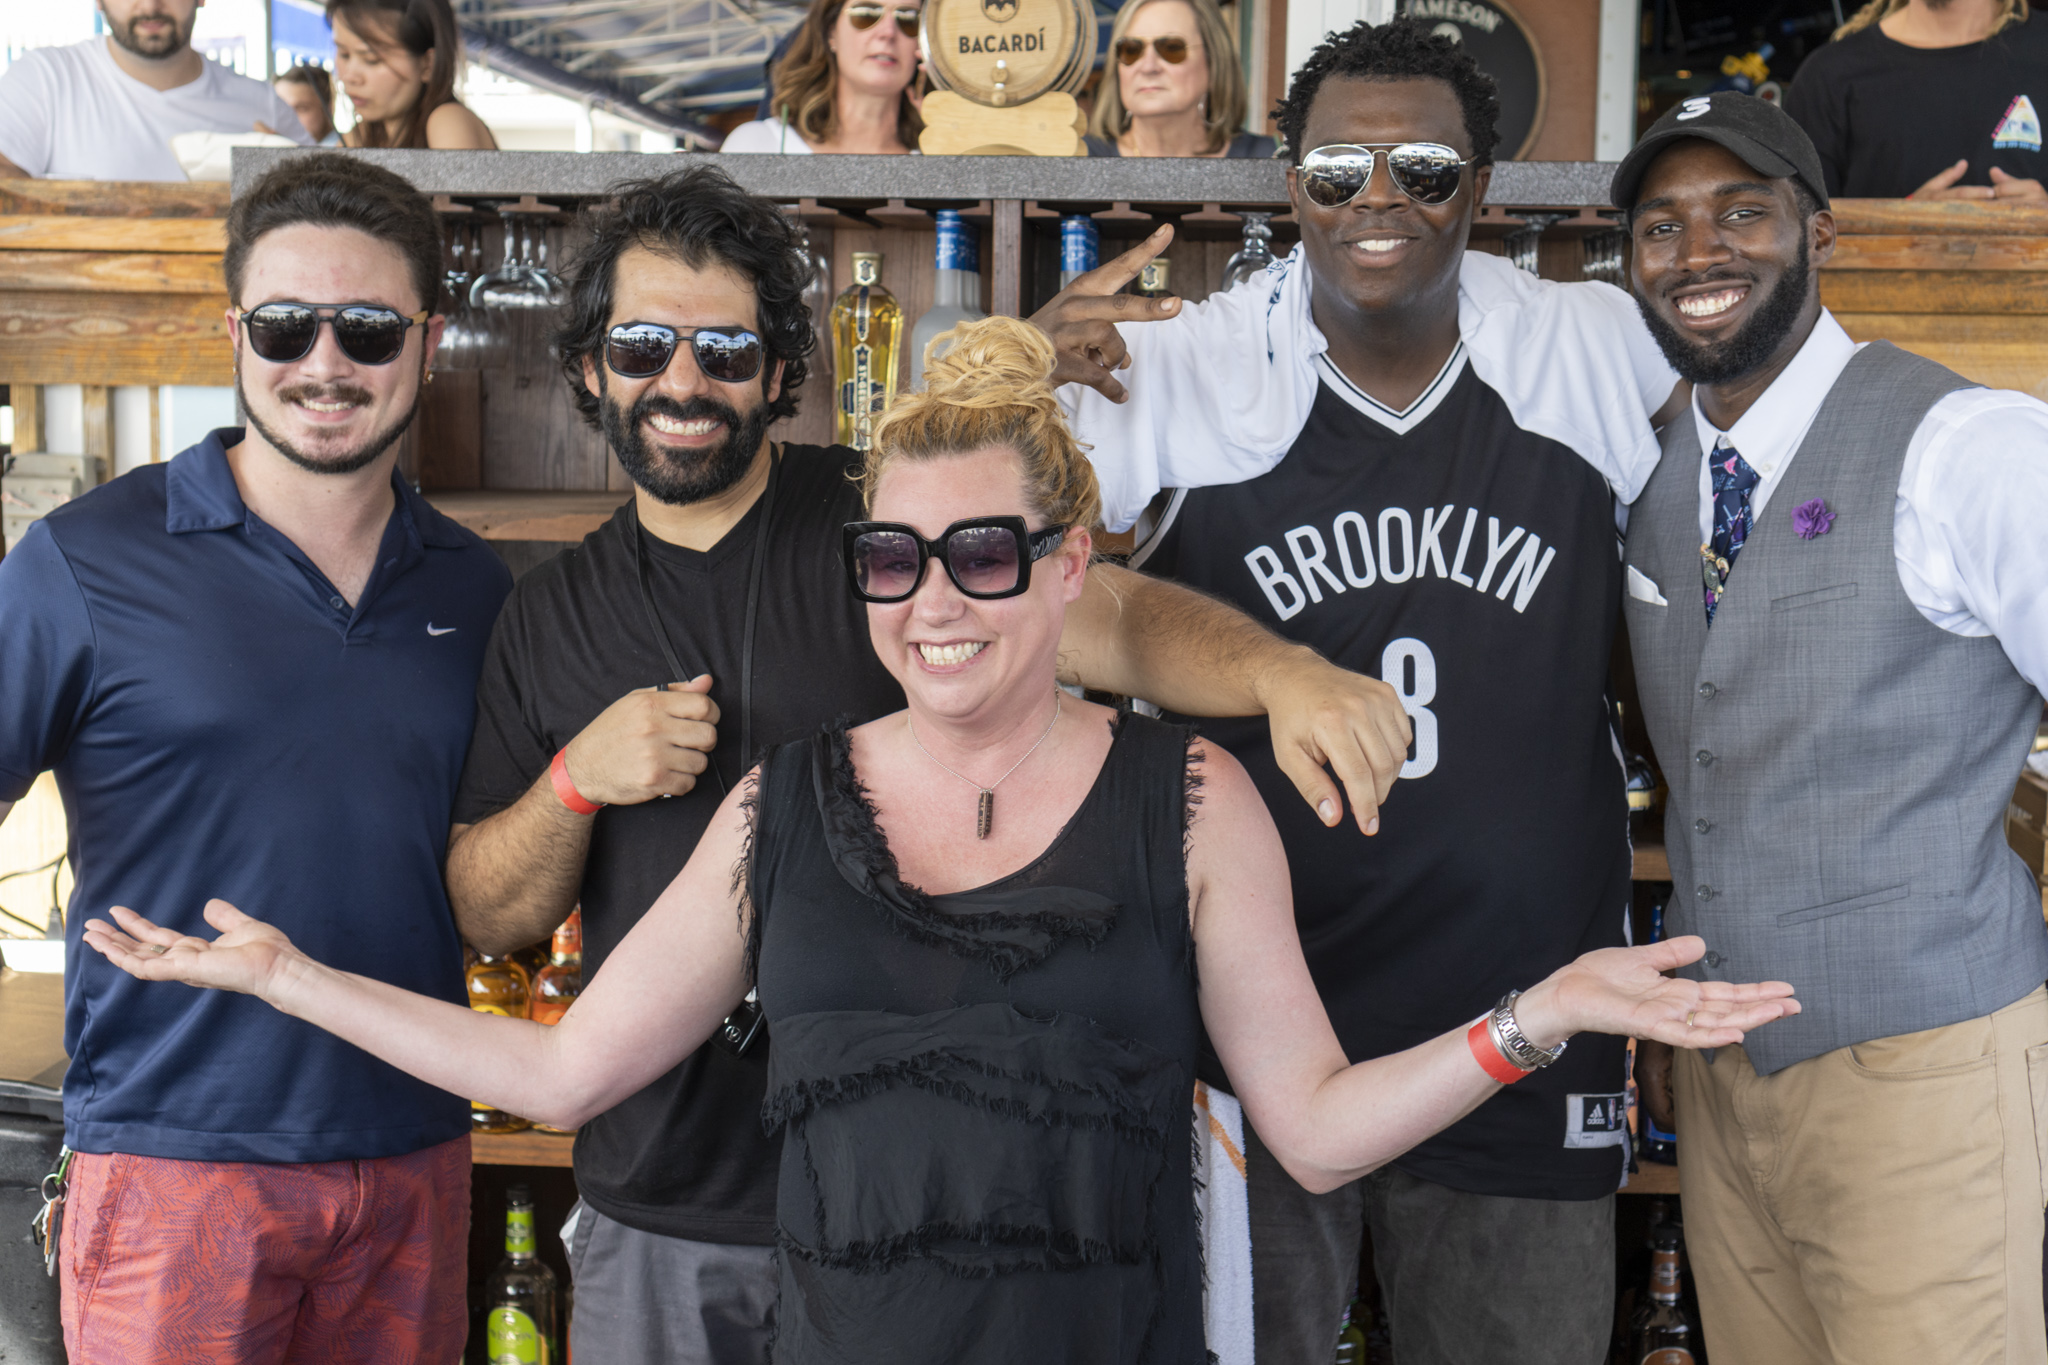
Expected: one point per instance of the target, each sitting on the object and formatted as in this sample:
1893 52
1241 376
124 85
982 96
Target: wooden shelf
1652 1177
523 515
1652 864
529 1148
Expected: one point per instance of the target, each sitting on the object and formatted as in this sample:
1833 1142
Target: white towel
1221 1198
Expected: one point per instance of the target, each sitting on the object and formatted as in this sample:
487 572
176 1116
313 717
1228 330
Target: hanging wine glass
485 327
1254 255
544 233
514 283
458 344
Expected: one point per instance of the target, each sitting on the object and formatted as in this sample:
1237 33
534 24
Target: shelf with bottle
524 984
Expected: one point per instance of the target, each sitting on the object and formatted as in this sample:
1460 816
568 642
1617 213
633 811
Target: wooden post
99 425
28 416
1006 233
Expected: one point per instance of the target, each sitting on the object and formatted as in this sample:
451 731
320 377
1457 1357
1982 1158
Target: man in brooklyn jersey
1408 457
1837 596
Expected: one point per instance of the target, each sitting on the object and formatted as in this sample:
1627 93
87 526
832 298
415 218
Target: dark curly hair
700 217
1403 48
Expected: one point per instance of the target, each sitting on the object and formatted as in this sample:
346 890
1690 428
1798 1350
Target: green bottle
1350 1340
519 1306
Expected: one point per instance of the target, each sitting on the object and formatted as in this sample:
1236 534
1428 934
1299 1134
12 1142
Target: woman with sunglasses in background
399 60
848 84
1173 86
975 926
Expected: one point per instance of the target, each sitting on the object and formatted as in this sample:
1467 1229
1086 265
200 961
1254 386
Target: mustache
325 393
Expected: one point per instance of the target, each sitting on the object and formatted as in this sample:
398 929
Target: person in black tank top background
988 932
1407 456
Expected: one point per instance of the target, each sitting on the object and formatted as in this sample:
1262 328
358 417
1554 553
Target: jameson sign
1494 35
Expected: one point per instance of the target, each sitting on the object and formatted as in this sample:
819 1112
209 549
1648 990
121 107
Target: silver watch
1507 1036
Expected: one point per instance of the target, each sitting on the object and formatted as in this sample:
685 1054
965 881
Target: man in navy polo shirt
253 670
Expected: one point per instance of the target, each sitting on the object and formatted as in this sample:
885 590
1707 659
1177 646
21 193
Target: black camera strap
756 560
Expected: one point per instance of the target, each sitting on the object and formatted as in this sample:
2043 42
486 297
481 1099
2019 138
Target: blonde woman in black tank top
987 932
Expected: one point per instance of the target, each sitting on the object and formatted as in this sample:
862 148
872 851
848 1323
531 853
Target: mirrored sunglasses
1172 50
865 17
368 334
1427 172
986 557
641 350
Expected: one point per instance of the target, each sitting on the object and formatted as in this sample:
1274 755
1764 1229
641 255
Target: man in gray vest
1837 593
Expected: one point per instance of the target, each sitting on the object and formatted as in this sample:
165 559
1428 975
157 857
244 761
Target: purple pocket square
1812 518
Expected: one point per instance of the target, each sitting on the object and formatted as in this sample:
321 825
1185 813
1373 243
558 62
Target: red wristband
558 773
1480 1039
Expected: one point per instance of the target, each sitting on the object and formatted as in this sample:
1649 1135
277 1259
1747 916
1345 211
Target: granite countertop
1529 184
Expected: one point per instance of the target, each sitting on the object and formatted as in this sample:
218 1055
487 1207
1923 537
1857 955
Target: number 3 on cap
1415 698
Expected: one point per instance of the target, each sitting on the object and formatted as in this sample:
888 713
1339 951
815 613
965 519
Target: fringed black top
986 1095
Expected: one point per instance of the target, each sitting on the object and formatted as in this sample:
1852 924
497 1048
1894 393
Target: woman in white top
849 84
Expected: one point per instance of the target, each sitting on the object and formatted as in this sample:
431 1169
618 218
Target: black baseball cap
1759 132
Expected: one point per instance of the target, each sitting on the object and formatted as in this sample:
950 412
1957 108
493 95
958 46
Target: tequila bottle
956 295
556 986
1666 1333
519 1302
867 330
1153 281
497 985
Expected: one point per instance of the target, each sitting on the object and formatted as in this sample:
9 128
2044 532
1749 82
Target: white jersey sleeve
1573 362
1217 394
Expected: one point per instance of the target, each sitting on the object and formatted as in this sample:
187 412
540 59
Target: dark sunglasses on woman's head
641 350
986 557
368 333
1172 50
865 17
1427 172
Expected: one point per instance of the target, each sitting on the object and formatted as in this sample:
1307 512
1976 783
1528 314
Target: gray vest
1839 766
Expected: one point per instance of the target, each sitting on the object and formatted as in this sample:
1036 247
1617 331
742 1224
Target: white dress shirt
1970 527
1220 391
71 113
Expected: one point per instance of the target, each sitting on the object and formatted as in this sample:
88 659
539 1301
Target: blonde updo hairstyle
992 389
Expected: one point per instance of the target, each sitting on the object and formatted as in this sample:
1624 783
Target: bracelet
1490 1058
565 789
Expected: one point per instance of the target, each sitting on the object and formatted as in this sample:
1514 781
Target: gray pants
1467 1279
645 1299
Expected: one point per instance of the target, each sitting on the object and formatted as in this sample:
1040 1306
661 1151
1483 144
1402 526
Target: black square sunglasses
642 350
368 333
986 557
1427 172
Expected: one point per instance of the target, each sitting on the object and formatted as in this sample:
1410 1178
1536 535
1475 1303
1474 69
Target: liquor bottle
1256 253
497 985
1350 1338
519 1302
1640 778
867 328
1080 247
1152 280
1666 1332
956 296
556 986
1658 1145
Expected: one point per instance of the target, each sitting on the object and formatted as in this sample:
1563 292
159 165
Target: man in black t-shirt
1931 100
709 619
1407 456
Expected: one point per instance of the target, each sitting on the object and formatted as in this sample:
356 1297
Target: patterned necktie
1733 482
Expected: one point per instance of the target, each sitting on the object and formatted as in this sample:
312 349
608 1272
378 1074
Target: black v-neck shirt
685 1157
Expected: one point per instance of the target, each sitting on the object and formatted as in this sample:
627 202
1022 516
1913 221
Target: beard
677 477
156 49
1754 343
349 461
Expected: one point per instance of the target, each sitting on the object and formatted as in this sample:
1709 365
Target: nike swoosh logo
444 630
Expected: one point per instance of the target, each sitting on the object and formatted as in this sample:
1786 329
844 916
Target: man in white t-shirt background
107 108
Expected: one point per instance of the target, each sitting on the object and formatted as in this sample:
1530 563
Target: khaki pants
1876 1205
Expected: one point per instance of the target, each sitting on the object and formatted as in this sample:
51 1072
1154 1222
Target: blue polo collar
200 495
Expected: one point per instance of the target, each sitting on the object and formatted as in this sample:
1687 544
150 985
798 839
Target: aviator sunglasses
368 333
986 557
1173 50
865 17
642 350
1427 172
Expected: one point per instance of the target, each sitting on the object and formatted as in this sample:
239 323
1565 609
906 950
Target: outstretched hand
1624 991
1081 319
246 957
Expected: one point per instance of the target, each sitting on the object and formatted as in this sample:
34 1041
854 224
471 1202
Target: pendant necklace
985 814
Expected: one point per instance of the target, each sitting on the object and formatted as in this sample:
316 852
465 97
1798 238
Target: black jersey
1474 566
